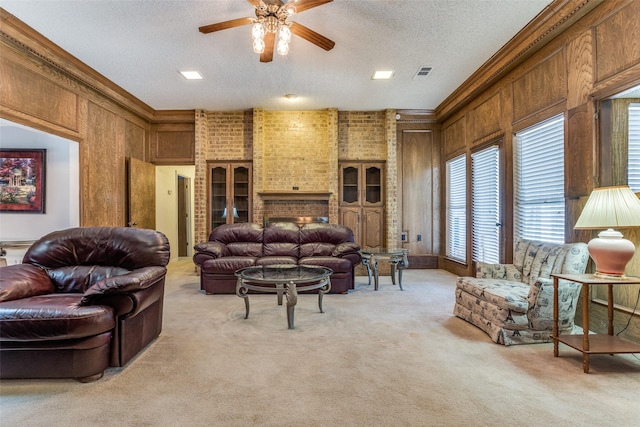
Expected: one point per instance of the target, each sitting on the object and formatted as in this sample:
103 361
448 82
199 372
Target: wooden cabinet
230 188
362 201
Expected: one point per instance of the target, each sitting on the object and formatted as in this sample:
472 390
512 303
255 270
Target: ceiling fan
271 19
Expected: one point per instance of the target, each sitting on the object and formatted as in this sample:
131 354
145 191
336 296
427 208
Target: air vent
422 73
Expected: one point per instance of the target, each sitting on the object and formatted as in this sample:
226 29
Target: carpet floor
385 358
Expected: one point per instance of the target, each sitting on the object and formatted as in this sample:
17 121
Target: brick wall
293 148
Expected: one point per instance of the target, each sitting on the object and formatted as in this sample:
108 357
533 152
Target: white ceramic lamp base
611 253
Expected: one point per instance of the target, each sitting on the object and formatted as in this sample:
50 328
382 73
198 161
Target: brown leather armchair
84 299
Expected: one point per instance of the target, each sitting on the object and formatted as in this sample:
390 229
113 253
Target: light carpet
385 358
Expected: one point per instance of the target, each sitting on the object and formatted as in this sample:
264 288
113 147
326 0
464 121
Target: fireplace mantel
294 195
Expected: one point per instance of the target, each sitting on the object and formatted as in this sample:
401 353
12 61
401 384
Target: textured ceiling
141 45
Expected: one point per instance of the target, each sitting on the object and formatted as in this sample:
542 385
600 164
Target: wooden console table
587 343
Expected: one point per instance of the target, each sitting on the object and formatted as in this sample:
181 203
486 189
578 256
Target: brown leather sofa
83 299
234 246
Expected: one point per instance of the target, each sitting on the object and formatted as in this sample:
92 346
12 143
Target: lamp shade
610 207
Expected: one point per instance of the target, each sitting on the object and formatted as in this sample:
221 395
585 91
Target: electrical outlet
419 237
295 187
404 236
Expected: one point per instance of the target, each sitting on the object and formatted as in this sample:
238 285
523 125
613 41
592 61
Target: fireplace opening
299 220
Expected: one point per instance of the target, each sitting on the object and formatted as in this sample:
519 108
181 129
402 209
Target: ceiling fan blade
302 5
269 41
225 25
311 36
255 3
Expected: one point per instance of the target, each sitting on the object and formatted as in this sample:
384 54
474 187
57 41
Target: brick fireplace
295 204
295 158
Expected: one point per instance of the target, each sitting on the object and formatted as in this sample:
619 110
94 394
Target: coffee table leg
243 293
292 299
367 263
394 268
374 261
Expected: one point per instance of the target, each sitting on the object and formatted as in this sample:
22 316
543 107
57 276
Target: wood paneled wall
44 87
593 58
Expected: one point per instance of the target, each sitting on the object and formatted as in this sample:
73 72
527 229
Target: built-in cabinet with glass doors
229 193
362 201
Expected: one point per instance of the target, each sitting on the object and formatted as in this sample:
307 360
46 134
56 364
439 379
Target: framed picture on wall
22 180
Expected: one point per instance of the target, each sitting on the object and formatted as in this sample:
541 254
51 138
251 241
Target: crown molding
23 38
545 27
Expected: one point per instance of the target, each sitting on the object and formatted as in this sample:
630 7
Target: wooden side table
587 343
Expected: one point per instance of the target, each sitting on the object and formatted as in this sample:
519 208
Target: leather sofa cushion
273 260
227 264
281 238
53 317
100 246
78 278
22 281
316 249
338 265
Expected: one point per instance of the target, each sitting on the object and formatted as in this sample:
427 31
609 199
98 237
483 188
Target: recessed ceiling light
191 75
382 75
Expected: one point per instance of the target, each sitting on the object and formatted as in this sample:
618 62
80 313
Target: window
633 170
485 192
457 208
539 182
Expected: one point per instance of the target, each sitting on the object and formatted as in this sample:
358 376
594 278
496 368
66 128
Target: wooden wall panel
454 137
579 69
418 191
135 141
486 118
579 158
173 143
617 41
24 91
543 86
104 168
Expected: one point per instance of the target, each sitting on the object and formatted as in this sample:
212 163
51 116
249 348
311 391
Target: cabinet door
350 217
373 184
350 185
218 195
241 206
372 228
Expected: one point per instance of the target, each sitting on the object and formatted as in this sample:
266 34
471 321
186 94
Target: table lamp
609 208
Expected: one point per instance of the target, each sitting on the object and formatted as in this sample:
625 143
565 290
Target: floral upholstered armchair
513 303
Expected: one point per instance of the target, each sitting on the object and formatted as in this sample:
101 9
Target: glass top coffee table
283 280
397 257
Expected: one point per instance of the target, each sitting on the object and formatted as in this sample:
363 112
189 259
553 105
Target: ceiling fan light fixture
283 47
258 45
257 30
284 33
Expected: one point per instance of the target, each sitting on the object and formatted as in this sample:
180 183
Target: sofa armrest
540 300
23 281
345 248
134 281
210 250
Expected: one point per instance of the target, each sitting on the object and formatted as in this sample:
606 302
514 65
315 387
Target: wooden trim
545 27
294 195
22 37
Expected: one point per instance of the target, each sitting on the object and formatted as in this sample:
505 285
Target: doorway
184 220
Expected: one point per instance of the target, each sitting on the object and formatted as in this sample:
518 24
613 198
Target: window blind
457 208
485 191
633 168
539 209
